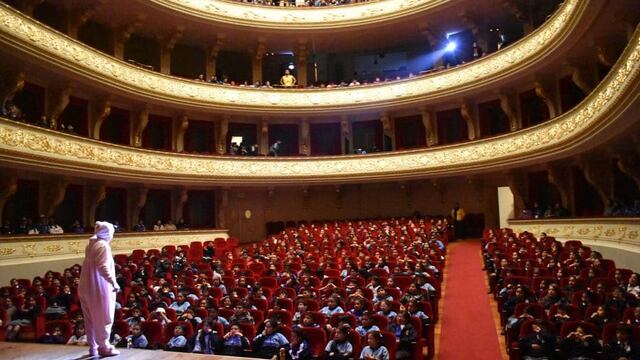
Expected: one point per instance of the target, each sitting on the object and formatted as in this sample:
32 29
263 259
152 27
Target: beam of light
451 46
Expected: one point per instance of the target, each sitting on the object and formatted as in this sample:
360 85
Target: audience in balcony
305 3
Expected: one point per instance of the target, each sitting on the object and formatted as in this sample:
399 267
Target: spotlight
451 46
291 66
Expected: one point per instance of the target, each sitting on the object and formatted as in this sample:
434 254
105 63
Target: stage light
451 46
291 67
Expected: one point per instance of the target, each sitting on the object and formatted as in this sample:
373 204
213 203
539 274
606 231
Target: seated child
339 348
178 342
54 337
374 349
79 337
366 324
136 339
235 343
299 349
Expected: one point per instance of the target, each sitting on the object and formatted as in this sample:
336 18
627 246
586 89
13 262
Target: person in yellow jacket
288 80
457 220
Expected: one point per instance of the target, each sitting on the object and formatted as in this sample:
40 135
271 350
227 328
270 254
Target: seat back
317 338
153 331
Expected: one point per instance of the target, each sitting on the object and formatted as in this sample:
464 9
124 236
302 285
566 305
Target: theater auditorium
320 179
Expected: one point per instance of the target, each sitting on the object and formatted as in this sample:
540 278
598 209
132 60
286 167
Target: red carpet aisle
468 330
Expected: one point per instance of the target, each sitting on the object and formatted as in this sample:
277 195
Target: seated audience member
366 324
170 226
54 337
307 321
22 316
212 313
79 336
207 340
178 342
159 315
633 285
385 309
634 319
54 228
299 348
235 343
241 315
339 348
135 318
182 225
332 307
139 227
136 339
77 228
540 344
601 318
302 307
374 350
580 345
405 335
181 304
189 316
269 341
158 226
6 228
561 316
622 348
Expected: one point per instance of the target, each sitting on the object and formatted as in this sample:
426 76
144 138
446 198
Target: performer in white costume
97 290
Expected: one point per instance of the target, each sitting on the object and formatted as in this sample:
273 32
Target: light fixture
451 46
291 66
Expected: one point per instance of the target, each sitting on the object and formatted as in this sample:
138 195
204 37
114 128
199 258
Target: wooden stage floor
29 351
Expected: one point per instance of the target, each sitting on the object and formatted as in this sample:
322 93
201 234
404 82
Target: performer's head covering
103 231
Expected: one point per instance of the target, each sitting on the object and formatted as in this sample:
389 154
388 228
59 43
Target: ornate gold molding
606 108
26 35
298 18
621 233
21 249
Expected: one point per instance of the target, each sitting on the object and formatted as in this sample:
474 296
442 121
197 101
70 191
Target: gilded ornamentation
29 249
615 232
7 251
52 248
299 18
26 34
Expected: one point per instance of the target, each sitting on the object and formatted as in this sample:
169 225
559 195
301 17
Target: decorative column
263 136
389 141
301 53
57 101
78 17
27 6
429 123
305 137
546 91
630 164
180 124
120 36
94 195
598 173
256 61
223 208
14 84
139 126
180 198
518 182
469 114
53 192
135 202
509 106
521 13
8 187
223 129
345 135
584 76
212 55
99 111
166 49
559 175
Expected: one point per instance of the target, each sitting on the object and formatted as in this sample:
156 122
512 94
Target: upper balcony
44 47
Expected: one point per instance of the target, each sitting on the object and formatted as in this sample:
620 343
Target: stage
30 351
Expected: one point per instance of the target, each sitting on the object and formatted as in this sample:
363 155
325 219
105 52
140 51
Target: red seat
390 342
268 282
285 304
570 326
284 316
318 318
153 331
317 338
333 320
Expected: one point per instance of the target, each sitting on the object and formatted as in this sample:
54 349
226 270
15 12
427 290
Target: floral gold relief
26 35
299 18
7 251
